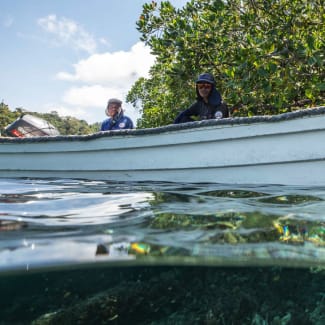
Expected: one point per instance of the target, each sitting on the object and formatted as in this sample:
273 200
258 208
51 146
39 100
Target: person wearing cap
116 119
208 103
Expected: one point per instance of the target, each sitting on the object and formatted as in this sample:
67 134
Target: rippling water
62 225
55 222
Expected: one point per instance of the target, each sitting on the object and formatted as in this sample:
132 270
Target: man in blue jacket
116 119
208 103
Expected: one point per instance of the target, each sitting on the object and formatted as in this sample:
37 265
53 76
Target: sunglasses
113 106
206 86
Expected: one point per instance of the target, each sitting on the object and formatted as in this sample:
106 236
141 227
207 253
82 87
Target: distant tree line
268 57
66 125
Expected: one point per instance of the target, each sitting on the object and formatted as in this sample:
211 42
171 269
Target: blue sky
70 56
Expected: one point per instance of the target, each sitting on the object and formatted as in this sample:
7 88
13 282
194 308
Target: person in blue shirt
116 119
208 105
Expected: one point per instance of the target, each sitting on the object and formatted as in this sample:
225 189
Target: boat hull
288 149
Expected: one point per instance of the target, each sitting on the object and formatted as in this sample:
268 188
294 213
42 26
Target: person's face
204 89
113 109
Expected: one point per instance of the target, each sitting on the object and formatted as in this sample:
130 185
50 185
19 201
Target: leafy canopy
267 56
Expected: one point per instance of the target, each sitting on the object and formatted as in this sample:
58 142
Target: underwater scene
92 252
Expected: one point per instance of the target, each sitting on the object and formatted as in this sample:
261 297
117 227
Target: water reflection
291 199
69 221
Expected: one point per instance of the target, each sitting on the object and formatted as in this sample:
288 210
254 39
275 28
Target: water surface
46 223
85 252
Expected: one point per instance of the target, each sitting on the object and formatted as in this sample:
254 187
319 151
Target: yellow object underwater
140 248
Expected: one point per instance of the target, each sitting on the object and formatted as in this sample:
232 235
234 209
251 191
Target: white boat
286 149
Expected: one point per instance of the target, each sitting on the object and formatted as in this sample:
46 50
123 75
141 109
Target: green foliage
267 56
66 125
6 116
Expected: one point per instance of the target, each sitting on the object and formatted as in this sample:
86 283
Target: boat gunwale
309 112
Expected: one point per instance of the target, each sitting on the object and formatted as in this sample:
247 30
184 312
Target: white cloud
89 96
100 76
7 21
104 41
89 102
89 113
68 32
104 76
117 68
65 110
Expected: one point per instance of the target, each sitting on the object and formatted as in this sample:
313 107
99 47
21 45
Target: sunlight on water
58 222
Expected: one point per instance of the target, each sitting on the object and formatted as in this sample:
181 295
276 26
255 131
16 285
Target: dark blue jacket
204 111
118 123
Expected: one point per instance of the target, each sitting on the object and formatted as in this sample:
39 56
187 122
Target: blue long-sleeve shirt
123 122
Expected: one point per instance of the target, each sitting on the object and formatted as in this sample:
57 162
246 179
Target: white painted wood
287 149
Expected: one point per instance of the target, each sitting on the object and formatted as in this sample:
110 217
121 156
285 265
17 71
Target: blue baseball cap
205 77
